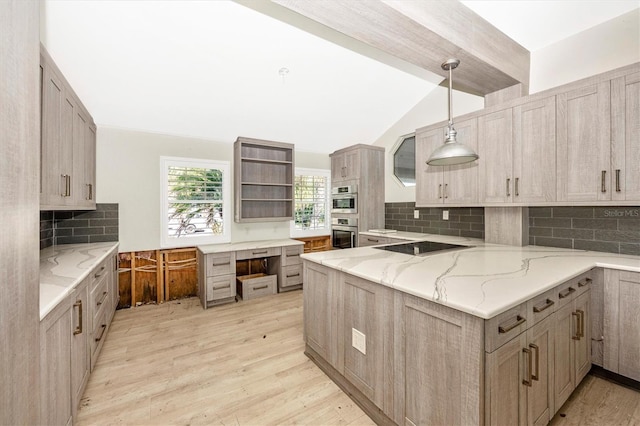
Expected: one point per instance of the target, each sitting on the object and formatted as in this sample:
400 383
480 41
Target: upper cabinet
449 184
345 166
578 144
68 144
264 173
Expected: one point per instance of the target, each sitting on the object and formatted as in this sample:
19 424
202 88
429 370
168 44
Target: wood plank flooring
243 364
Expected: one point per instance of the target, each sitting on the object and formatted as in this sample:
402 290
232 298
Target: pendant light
452 152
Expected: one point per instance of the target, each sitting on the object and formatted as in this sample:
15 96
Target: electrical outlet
359 341
416 214
445 214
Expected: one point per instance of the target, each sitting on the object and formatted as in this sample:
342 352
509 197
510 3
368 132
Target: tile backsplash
608 229
81 226
463 222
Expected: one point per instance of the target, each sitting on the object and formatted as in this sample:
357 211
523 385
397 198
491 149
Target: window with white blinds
195 202
311 209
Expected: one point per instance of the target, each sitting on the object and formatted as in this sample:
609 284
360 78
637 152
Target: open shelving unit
264 172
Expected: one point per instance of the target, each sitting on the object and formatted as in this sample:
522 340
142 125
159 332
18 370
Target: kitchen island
486 334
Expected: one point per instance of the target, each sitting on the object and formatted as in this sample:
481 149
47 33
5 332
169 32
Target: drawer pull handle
104 296
78 329
261 287
221 287
519 320
566 293
226 262
537 351
104 327
259 252
527 353
585 282
549 303
294 275
99 273
372 241
293 255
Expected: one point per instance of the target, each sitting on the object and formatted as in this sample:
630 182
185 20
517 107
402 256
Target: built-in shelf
264 173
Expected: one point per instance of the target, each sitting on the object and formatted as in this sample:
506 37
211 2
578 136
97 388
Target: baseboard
614 377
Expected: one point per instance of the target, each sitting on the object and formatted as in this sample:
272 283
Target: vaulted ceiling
217 69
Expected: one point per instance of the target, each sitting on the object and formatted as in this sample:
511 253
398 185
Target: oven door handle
353 239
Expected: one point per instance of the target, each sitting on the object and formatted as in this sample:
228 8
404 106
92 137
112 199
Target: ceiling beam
423 34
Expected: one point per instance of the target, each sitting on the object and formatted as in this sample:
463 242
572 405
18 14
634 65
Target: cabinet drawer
504 327
368 240
572 288
541 306
258 253
221 287
256 285
220 264
292 275
98 336
98 299
99 272
291 255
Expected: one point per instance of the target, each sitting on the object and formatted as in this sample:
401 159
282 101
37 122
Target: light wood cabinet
345 166
216 278
55 366
621 319
584 143
446 184
80 357
572 338
313 244
263 183
368 312
625 137
495 147
68 139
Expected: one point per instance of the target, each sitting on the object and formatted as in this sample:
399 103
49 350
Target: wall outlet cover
445 214
359 341
416 214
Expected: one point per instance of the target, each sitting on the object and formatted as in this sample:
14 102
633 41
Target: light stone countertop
63 267
401 235
248 245
484 280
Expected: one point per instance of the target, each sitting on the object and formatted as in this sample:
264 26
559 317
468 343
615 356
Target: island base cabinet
621 319
519 385
438 360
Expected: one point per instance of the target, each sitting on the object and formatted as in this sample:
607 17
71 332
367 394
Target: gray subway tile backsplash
72 227
463 222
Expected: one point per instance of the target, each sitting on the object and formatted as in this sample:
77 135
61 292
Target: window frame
172 242
326 230
394 150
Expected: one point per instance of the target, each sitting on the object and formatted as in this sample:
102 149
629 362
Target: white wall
612 44
431 109
128 173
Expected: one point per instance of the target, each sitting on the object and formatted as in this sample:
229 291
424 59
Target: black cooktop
421 247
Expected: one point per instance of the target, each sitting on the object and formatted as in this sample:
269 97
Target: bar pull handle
618 180
517 191
68 185
527 353
548 303
372 241
90 188
585 282
78 329
537 351
294 275
99 274
508 186
519 320
603 182
104 327
261 287
580 323
259 252
577 317
446 186
64 192
104 296
221 286
440 191
566 293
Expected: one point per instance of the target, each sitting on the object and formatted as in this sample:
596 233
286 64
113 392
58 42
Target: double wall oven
344 225
344 232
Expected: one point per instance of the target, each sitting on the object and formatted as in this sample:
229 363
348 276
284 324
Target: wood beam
423 34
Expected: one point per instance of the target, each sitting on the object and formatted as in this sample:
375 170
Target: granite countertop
248 245
484 280
63 267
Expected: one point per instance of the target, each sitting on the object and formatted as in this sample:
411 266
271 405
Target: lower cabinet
80 356
621 319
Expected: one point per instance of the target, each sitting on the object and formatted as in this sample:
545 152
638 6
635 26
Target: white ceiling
210 69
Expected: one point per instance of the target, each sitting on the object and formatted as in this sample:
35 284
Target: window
311 198
195 202
404 160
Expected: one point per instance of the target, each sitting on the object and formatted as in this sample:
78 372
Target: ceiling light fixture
452 152
283 73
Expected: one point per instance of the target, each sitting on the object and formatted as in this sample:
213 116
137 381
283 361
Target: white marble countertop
63 267
248 245
484 280
401 235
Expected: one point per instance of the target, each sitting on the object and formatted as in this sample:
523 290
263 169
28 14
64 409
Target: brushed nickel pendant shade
452 152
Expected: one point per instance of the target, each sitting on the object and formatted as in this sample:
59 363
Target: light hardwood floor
243 364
